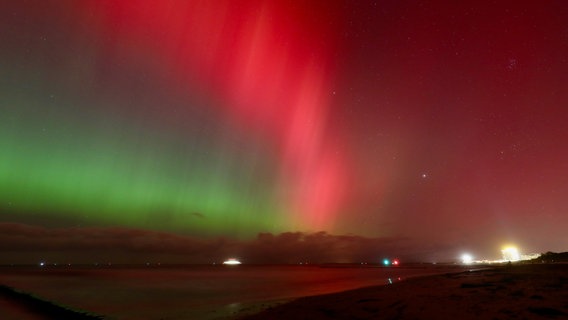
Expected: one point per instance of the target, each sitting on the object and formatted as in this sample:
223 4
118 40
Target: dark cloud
27 243
198 215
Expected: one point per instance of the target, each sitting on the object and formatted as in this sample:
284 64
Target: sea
197 291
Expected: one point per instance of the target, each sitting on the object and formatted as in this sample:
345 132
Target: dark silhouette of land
552 257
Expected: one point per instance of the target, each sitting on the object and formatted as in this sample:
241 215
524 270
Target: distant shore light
466 258
232 262
511 254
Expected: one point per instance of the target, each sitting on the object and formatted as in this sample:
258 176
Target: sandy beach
188 292
537 291
514 292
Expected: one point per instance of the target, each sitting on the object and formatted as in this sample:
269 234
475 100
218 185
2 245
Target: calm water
195 292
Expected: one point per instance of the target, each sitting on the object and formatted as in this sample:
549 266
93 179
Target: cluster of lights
509 253
388 262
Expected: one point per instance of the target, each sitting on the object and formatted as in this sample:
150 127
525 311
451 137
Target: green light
136 177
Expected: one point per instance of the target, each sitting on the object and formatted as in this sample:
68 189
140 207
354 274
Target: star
512 64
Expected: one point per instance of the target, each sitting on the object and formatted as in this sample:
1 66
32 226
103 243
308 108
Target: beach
206 292
532 291
537 291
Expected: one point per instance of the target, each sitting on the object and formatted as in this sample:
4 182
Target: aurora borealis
436 121
167 136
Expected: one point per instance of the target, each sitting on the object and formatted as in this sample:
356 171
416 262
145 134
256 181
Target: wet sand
538 291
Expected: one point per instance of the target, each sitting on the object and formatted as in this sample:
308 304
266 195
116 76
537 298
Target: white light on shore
511 254
466 258
232 262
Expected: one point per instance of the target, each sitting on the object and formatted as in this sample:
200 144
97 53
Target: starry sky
419 128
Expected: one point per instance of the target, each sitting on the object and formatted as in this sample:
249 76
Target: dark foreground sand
508 292
23 306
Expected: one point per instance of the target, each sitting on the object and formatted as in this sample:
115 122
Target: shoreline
252 309
21 305
506 292
108 291
503 292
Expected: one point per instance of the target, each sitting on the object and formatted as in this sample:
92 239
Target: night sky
197 130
